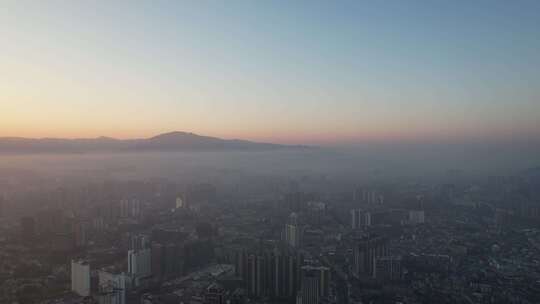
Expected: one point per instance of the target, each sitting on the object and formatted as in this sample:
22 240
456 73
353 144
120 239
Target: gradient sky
284 71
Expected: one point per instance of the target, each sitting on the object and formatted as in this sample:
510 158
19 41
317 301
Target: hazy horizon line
338 142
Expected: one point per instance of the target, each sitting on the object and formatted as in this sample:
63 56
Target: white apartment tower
80 278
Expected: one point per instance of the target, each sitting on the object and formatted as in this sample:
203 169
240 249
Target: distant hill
173 141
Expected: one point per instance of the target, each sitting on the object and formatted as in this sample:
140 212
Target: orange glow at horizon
86 69
278 136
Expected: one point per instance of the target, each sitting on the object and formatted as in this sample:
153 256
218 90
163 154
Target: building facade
80 278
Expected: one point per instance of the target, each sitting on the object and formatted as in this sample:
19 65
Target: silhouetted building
283 273
416 216
271 272
368 196
167 260
314 284
215 294
240 256
387 268
360 218
365 253
256 275
130 208
322 274
138 242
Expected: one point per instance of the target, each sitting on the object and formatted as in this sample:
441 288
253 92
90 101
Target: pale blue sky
303 71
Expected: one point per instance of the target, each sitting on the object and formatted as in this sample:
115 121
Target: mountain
173 141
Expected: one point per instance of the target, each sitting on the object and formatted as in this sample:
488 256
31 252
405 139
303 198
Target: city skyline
309 73
256 152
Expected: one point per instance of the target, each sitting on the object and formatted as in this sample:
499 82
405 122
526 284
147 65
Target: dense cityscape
269 152
300 241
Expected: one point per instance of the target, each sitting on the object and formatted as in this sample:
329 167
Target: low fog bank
361 162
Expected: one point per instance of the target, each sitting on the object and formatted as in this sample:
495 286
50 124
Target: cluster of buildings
157 243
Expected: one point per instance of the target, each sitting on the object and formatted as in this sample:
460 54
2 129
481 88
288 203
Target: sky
304 72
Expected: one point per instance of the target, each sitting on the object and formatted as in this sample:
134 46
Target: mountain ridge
170 141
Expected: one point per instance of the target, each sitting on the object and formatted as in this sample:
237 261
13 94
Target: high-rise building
360 218
256 275
112 287
368 196
138 242
157 260
309 290
99 224
322 274
416 216
292 235
314 284
365 252
167 260
387 268
130 208
293 231
269 272
240 262
80 278
139 263
215 294
283 273
180 202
